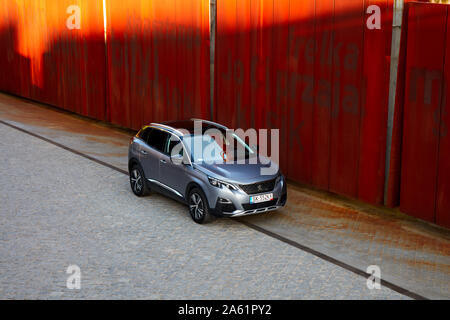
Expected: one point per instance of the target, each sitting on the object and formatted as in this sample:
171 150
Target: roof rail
167 127
210 122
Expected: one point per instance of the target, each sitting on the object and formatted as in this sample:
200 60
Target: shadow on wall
71 73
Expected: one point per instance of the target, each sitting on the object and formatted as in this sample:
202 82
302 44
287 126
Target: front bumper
238 202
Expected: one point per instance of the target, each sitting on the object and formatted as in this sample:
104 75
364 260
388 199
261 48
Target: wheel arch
191 186
132 162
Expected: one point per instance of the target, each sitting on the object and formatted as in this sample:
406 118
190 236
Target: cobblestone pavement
58 209
411 254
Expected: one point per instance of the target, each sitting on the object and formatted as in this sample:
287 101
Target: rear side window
157 139
144 133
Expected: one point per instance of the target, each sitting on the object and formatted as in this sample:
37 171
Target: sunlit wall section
55 53
158 60
9 80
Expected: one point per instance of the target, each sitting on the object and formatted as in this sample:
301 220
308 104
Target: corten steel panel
323 64
262 61
242 112
375 99
395 161
158 61
346 98
310 78
299 112
180 63
169 58
225 63
202 92
424 77
243 62
251 65
443 183
48 62
278 117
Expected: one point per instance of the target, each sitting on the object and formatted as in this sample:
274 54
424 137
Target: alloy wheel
136 181
196 206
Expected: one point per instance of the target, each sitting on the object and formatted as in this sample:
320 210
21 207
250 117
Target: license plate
261 198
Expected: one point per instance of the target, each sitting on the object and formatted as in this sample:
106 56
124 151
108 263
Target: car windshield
217 148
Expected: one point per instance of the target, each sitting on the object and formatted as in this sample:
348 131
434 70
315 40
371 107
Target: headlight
220 184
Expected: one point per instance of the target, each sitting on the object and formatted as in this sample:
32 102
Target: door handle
163 161
144 152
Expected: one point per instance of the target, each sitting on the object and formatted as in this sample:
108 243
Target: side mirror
176 159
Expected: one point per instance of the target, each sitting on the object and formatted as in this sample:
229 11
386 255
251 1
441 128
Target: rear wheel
137 181
198 207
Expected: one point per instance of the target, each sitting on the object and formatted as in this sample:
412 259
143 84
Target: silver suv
170 158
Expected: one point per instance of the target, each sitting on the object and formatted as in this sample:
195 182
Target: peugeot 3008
163 158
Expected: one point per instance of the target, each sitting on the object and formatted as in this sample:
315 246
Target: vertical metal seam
235 117
316 47
212 51
397 19
285 108
330 124
440 106
106 98
362 96
313 106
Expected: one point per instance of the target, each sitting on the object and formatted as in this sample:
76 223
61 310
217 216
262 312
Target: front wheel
198 207
137 181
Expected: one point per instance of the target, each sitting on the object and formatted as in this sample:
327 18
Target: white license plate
261 198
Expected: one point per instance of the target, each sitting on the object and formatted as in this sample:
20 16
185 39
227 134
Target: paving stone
59 209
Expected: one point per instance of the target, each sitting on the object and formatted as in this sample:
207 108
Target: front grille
260 187
253 206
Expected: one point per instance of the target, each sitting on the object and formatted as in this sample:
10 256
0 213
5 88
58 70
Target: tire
138 182
198 207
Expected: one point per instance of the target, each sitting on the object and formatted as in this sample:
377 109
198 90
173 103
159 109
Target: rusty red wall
158 60
443 178
42 59
314 70
425 174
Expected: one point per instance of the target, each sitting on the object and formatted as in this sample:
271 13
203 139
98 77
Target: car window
144 133
206 148
157 139
173 142
175 146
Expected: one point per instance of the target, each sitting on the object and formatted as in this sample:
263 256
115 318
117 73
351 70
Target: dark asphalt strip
341 264
297 245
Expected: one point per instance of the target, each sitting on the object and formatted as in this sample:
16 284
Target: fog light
222 200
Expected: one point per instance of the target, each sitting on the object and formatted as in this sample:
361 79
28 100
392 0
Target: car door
144 153
151 152
173 175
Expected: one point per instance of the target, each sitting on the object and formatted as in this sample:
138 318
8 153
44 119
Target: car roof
187 125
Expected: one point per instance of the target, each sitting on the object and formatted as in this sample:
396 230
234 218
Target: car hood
240 173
